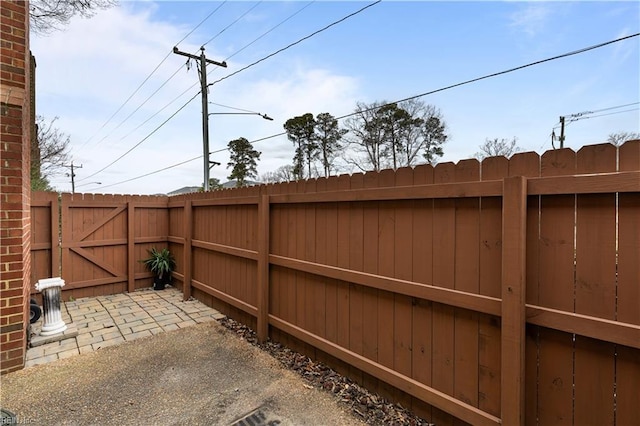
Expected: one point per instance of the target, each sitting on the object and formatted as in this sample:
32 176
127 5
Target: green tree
396 125
214 184
48 154
301 131
328 136
243 160
434 135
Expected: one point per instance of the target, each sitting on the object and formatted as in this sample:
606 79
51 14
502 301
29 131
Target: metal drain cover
258 417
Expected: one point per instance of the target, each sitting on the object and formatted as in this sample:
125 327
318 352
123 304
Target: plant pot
160 283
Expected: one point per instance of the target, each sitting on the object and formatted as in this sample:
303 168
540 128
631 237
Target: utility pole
202 71
73 175
562 131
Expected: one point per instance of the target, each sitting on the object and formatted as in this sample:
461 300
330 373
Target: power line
603 115
213 70
193 85
580 114
184 105
231 56
296 42
143 139
495 74
138 108
271 29
231 24
147 78
152 173
415 97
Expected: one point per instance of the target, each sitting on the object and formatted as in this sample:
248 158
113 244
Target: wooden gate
104 236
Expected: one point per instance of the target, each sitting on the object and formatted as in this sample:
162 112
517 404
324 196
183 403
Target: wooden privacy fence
95 241
502 292
505 292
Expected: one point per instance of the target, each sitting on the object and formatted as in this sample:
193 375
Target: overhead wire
270 30
231 24
213 70
586 117
149 76
580 114
238 51
138 108
613 107
143 139
152 173
296 42
510 70
575 52
192 98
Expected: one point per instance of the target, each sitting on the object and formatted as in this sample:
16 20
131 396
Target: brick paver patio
111 320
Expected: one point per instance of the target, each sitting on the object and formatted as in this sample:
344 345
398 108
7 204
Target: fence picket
595 289
422 272
443 276
556 288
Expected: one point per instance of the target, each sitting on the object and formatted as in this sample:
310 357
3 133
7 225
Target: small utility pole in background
562 131
73 175
202 71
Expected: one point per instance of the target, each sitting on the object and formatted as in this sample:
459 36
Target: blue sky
391 51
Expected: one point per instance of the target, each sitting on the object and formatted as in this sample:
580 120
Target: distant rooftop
184 190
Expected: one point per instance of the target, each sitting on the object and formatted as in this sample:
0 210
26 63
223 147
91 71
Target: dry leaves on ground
370 407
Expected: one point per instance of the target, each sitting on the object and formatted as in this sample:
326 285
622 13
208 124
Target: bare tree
497 147
46 16
49 153
281 174
619 138
385 134
366 137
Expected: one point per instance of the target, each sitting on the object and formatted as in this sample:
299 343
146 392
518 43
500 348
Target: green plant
160 262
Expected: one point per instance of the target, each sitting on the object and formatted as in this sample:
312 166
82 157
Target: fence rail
501 292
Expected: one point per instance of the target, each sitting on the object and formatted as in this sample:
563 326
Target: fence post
66 218
186 250
263 268
131 247
514 233
56 223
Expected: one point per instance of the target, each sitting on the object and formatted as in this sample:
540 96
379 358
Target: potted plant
161 263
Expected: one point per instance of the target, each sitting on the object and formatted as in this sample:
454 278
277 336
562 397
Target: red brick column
15 192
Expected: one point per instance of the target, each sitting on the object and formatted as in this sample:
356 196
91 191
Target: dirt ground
201 375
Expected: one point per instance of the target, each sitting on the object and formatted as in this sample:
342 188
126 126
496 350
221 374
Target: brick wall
15 193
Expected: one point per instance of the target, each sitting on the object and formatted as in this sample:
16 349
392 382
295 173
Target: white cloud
531 19
86 72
